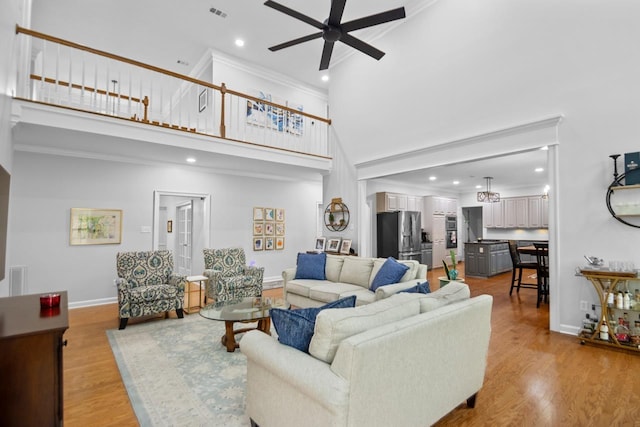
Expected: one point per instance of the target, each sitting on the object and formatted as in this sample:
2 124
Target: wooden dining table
530 250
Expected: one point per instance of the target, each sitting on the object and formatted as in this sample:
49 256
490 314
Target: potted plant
451 272
331 218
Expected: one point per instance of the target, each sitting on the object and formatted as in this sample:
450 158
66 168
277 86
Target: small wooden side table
199 282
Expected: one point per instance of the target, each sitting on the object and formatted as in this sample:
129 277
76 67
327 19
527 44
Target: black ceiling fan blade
296 41
337 9
326 55
370 21
361 46
294 14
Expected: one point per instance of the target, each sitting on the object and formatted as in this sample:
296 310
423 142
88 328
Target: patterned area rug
178 374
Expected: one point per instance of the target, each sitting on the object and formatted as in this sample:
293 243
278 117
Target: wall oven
452 239
451 223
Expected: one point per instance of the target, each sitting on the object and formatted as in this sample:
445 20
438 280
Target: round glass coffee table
245 310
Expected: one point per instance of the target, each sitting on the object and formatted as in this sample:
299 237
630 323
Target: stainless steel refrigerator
399 235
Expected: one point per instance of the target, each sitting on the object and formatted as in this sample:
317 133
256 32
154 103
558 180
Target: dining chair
542 256
518 266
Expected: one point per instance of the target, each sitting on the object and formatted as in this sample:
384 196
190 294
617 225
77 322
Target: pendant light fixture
488 196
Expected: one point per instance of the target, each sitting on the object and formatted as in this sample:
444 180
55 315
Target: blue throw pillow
390 272
295 327
311 266
420 288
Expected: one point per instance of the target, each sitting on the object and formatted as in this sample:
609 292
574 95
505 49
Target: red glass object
49 300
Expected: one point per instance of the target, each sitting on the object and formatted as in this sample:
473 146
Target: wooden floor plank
534 377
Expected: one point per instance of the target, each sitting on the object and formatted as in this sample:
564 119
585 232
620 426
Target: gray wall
46 187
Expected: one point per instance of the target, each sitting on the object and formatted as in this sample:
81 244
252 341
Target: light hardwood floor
534 377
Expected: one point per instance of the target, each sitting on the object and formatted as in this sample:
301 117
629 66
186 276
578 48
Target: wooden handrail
26 31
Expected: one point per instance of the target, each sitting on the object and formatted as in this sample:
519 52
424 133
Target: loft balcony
75 100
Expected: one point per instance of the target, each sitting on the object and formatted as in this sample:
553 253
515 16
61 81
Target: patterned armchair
229 276
146 285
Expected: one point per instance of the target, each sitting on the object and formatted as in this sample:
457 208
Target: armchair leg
471 402
123 322
180 313
253 423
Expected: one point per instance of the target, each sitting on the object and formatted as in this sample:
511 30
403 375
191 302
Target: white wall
46 187
462 68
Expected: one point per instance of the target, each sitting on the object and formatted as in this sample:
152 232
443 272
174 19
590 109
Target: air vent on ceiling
218 12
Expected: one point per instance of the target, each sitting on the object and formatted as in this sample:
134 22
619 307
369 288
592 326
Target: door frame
206 223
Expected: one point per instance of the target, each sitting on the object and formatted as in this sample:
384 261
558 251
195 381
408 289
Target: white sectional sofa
407 360
345 276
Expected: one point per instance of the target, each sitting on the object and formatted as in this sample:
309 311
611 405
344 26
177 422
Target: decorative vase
453 274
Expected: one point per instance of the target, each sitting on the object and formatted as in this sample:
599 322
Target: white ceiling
161 32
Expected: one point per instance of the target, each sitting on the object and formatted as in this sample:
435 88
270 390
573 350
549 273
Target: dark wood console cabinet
31 361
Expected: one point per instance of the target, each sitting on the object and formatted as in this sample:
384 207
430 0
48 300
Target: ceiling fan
332 30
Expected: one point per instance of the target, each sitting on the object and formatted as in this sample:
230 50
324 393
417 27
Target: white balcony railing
65 74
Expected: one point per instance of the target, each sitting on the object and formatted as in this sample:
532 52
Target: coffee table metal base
229 338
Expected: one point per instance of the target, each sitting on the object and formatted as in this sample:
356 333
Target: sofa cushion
443 296
356 271
420 288
390 272
311 266
333 267
328 291
333 326
295 327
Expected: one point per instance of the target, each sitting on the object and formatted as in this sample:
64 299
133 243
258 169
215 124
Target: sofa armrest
387 290
287 275
423 269
179 282
285 382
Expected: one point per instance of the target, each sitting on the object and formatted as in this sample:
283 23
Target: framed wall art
279 228
95 226
269 214
170 226
258 243
258 228
280 215
258 214
320 242
333 245
269 228
202 100
345 247
279 243
269 243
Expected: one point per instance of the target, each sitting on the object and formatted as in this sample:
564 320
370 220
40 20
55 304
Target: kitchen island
486 258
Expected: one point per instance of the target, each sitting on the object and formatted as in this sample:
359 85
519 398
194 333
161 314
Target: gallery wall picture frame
269 214
258 214
269 243
202 100
89 226
320 242
258 228
258 243
170 226
333 245
269 228
280 215
279 243
279 228
345 246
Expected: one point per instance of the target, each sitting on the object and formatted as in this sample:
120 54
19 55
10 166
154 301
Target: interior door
184 244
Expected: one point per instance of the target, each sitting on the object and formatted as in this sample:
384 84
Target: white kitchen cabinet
544 213
414 203
516 212
390 202
440 206
535 211
493 214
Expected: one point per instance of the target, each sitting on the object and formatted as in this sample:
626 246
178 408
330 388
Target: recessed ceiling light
191 159
432 178
546 147
478 186
456 182
239 42
539 169
325 78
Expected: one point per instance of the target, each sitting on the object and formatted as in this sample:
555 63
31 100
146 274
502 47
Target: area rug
177 373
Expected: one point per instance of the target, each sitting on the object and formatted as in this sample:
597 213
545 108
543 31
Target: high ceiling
164 32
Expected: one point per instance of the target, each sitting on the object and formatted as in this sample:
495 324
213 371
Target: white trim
206 226
522 137
93 302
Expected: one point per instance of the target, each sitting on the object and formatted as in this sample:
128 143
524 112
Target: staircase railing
66 74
